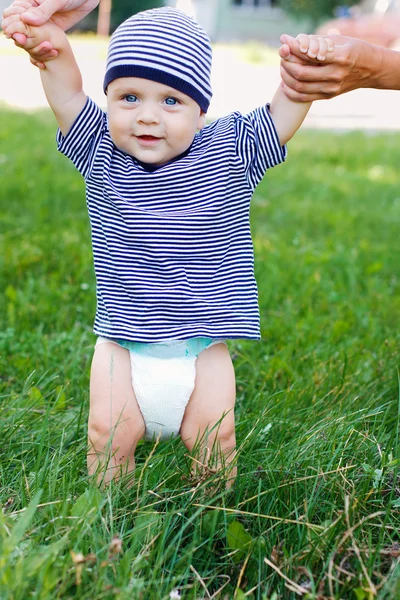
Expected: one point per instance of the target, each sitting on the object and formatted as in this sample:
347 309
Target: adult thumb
284 52
41 14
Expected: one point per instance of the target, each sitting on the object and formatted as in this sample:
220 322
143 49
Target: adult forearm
368 66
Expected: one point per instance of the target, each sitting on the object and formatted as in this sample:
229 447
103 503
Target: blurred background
245 36
377 21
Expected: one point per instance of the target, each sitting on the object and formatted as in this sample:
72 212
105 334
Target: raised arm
354 64
60 74
288 114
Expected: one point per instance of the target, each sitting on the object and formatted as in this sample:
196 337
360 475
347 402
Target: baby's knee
224 442
223 434
207 434
225 428
118 438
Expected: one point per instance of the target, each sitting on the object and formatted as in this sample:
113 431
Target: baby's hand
40 41
41 54
315 46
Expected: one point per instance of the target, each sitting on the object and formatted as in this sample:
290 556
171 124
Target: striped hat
164 45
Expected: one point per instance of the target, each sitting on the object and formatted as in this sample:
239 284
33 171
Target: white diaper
163 377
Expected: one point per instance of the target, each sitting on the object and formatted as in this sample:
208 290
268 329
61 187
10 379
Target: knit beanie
164 45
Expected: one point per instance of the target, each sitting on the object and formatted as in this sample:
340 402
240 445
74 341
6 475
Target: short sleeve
257 144
80 143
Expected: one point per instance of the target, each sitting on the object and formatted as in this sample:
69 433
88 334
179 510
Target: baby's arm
61 78
287 114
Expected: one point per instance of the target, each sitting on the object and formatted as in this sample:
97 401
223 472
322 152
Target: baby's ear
202 121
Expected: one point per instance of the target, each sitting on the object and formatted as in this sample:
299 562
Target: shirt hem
157 339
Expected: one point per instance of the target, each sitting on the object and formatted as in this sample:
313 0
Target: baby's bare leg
213 399
115 421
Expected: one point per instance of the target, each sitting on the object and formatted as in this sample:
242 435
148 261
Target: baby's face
151 121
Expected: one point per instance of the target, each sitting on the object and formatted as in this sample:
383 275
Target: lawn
315 510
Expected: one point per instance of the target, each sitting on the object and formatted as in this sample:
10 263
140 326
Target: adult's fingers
17 27
41 14
300 70
284 52
16 7
12 18
287 56
314 83
294 45
302 87
300 46
300 97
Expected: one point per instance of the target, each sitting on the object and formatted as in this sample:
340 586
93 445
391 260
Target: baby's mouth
147 139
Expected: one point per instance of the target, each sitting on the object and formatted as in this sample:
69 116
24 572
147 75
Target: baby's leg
213 397
115 421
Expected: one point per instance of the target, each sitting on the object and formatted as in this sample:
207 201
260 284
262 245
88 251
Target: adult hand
353 64
64 13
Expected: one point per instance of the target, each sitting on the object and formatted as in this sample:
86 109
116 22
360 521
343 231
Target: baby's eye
170 101
130 98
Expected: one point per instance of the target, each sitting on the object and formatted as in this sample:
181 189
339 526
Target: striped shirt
173 253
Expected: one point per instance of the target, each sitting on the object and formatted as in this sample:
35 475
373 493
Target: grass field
315 510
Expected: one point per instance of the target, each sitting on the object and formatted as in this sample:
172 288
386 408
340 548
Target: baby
168 199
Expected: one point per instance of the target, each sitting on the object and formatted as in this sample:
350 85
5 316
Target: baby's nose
149 113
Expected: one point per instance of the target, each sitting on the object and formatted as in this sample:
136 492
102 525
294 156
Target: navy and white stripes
164 45
172 248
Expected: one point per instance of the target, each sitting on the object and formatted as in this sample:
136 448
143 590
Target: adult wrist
379 68
390 70
384 68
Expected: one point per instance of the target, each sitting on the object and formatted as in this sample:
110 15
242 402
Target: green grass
318 495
